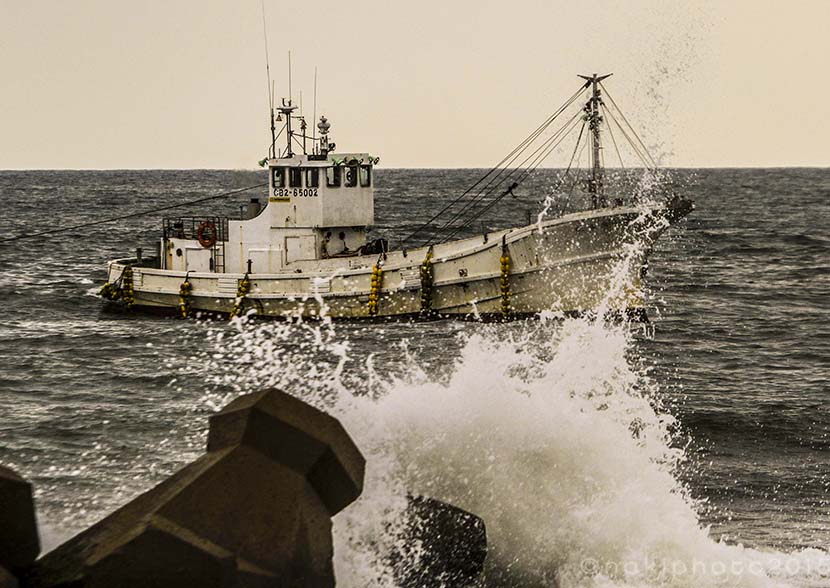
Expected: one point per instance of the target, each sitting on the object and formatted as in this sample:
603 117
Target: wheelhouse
320 205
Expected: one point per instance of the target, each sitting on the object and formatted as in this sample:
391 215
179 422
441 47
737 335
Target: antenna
314 115
289 75
270 87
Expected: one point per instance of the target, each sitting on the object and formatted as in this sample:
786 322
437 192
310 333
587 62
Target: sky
109 84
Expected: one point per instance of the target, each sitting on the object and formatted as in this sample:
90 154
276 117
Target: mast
286 109
596 185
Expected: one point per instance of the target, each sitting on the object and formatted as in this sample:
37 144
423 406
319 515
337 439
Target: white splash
551 431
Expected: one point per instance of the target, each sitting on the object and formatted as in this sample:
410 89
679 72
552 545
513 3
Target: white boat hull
580 262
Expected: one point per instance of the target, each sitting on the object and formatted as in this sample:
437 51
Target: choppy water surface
692 452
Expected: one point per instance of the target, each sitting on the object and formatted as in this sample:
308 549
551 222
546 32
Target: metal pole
288 129
597 170
314 116
595 185
273 124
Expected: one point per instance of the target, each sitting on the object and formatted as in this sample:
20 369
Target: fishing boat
305 251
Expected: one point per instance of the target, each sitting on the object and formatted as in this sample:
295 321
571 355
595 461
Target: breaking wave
552 431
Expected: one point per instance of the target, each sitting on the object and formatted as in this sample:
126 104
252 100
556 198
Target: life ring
206 234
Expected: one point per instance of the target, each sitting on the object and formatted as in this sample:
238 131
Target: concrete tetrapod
19 543
441 546
254 511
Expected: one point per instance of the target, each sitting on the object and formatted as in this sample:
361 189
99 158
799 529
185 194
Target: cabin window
295 177
351 177
278 174
365 176
312 178
333 177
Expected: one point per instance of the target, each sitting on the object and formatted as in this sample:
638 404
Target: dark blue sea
702 437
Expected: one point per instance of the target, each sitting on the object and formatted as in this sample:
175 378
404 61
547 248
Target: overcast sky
449 83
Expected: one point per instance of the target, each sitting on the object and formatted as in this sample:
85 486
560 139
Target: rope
487 190
610 132
513 154
490 187
578 177
633 132
128 216
548 145
634 146
573 155
535 164
548 201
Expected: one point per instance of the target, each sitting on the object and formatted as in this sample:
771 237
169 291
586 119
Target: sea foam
552 431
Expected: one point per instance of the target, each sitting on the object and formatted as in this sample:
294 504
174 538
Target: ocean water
691 451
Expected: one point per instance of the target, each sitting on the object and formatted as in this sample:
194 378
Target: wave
550 431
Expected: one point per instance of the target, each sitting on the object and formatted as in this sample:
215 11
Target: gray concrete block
255 511
298 436
440 546
19 542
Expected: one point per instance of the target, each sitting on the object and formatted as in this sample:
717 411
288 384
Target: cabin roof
330 159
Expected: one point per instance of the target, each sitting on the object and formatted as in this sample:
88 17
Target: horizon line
465 168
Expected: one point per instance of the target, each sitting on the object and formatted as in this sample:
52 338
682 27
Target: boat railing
194 227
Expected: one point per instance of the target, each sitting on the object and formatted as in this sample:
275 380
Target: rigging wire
527 173
548 200
578 141
602 159
633 132
512 156
533 135
571 124
128 216
611 133
637 150
579 170
488 190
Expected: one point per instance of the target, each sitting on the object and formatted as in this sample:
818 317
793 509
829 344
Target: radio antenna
289 76
314 115
270 86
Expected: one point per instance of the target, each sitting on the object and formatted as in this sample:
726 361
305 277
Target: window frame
278 172
367 170
312 177
353 169
335 179
295 173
